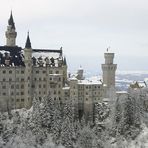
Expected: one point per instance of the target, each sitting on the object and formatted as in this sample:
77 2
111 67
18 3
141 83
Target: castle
26 71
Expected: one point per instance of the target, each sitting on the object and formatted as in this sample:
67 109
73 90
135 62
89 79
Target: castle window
59 85
28 78
22 86
22 71
86 99
37 72
59 92
39 92
59 79
4 79
4 71
98 86
44 86
10 79
10 71
40 79
39 85
4 94
17 86
86 87
17 93
35 79
86 93
44 79
22 100
12 86
22 79
17 100
3 87
54 98
33 86
50 72
54 92
44 71
50 78
57 72
12 93
22 93
89 87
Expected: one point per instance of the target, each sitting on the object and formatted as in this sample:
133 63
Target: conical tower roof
28 43
11 21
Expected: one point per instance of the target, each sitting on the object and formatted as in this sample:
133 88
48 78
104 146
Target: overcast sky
84 28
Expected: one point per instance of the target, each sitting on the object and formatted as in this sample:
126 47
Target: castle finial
28 43
11 21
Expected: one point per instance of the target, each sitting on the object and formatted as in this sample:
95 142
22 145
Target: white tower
11 33
109 69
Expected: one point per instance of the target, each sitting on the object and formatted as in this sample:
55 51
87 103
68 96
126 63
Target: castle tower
109 69
28 72
11 33
80 73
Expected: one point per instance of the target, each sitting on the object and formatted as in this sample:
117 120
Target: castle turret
11 33
28 72
80 73
109 69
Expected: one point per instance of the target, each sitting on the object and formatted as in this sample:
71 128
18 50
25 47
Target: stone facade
26 72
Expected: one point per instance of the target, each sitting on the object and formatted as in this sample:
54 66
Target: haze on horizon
84 28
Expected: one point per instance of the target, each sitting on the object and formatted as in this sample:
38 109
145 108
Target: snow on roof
55 74
73 78
121 92
55 55
89 82
66 88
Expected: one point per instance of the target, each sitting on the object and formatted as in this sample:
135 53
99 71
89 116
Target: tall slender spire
28 43
11 21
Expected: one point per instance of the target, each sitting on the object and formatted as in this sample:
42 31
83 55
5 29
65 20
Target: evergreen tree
67 134
56 126
47 112
86 137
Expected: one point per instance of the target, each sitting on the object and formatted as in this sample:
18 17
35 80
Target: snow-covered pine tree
130 122
47 112
68 111
56 126
35 123
86 137
67 134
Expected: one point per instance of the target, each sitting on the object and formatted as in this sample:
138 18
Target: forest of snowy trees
118 124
